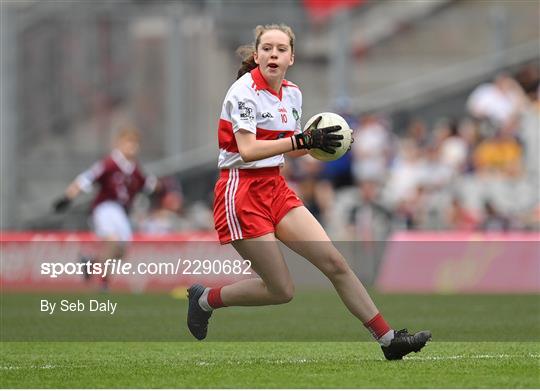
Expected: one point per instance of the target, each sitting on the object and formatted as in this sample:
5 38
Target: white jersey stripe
235 217
227 205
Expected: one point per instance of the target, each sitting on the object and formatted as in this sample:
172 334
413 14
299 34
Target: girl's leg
303 234
275 285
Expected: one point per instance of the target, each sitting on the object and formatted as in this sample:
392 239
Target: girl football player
120 178
254 207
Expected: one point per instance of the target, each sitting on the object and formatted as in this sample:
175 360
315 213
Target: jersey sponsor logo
246 113
267 115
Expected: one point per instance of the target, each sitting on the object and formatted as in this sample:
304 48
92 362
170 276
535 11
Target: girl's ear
255 58
292 60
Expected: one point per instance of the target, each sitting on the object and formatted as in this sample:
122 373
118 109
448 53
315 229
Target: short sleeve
87 178
297 113
150 183
242 109
298 127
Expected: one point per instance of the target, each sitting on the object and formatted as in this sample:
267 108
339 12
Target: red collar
261 84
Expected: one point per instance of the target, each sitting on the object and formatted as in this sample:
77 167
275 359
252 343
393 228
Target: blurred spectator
406 173
167 216
528 78
530 124
368 219
500 153
453 150
417 130
459 218
441 131
469 132
200 217
500 102
435 173
493 219
339 172
413 210
316 194
371 150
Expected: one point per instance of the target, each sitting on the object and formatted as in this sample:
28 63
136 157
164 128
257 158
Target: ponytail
248 62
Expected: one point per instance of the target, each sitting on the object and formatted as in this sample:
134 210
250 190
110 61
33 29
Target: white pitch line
46 366
419 358
308 361
263 361
475 357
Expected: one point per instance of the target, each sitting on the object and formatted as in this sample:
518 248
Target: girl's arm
252 149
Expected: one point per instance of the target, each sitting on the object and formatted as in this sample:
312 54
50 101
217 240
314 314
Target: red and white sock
380 330
211 299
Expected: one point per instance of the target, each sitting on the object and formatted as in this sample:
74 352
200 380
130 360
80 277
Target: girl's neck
276 85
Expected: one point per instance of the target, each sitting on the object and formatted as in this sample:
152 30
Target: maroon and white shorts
249 203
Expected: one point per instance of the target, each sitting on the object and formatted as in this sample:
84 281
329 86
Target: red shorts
250 203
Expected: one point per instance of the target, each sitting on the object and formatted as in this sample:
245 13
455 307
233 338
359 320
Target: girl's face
129 146
274 55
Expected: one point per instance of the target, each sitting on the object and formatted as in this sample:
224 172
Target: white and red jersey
252 105
119 180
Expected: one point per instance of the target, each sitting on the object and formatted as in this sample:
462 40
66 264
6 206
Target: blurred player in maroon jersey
120 179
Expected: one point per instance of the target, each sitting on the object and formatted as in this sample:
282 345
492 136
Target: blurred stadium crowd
475 172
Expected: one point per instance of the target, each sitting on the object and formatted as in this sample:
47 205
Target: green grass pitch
480 341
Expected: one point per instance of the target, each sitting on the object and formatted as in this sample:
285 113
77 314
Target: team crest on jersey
295 114
246 113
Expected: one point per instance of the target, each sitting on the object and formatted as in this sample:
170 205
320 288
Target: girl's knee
283 294
335 265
